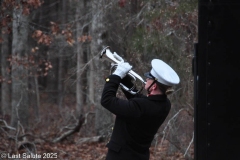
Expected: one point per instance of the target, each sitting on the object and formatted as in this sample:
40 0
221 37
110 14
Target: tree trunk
20 110
6 77
82 18
52 82
37 105
80 62
103 117
63 15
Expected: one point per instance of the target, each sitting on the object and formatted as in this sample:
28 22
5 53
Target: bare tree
98 32
63 15
79 94
20 110
5 70
81 10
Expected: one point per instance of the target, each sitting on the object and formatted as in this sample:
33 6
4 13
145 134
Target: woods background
52 77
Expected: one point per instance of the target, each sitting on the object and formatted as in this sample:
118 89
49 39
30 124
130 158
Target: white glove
122 69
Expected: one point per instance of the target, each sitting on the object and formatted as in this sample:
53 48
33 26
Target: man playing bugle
139 117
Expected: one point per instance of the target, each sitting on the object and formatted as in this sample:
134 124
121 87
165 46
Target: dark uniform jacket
137 121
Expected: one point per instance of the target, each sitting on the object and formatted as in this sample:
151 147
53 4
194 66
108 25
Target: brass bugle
108 55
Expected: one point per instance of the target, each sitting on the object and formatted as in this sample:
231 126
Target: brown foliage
42 38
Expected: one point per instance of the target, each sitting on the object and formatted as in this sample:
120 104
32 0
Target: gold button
107 79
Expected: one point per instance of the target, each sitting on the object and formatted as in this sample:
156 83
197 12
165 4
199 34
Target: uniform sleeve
120 107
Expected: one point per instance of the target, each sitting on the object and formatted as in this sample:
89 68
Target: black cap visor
148 75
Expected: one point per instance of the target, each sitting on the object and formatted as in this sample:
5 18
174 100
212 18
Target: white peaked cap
163 73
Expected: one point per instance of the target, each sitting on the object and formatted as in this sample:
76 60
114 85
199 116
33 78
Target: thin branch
80 71
86 117
169 124
6 125
189 145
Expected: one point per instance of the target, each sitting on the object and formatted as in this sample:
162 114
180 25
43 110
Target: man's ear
155 86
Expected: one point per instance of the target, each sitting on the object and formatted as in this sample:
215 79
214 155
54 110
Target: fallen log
71 131
91 139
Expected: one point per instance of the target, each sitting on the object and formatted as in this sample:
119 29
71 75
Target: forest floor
71 150
39 140
97 151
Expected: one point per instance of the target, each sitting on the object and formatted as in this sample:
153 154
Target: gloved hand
122 69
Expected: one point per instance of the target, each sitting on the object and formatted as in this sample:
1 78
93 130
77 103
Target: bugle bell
135 78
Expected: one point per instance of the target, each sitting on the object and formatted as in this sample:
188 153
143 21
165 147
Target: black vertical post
217 77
